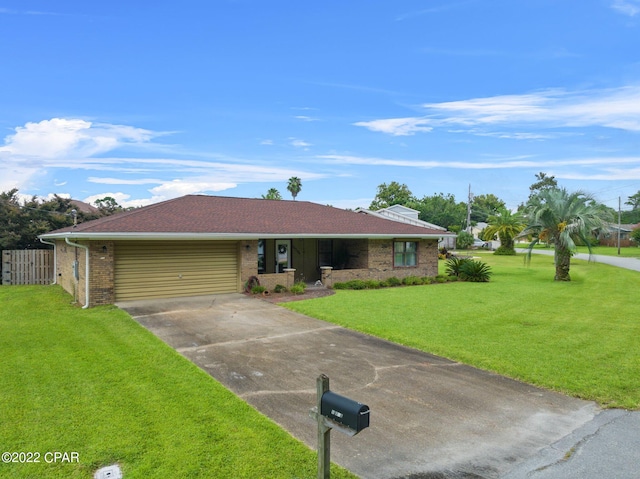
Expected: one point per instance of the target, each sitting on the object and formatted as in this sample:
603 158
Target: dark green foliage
393 281
412 281
503 251
372 284
280 289
475 272
454 264
258 289
464 240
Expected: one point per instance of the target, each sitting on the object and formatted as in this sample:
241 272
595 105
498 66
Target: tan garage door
160 269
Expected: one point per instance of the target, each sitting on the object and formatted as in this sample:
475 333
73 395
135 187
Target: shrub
340 286
475 271
504 251
412 281
299 287
280 289
372 284
464 240
454 265
393 281
442 278
356 284
258 289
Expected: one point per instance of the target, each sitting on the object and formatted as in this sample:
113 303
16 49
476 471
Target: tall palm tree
294 186
506 225
560 218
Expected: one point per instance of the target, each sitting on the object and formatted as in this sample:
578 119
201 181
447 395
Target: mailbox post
333 411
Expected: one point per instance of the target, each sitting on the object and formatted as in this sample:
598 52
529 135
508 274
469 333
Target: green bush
298 288
412 281
356 284
428 280
475 271
280 289
258 289
340 286
454 265
442 278
464 240
393 281
372 284
504 251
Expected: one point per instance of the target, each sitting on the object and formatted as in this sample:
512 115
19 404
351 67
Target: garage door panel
172 269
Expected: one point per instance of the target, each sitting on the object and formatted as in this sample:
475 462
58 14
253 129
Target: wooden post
324 432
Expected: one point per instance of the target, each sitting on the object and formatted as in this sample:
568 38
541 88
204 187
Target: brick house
198 244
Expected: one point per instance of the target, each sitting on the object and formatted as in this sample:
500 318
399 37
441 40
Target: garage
167 269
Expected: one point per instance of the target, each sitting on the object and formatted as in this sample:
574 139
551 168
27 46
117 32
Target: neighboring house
197 245
610 237
407 215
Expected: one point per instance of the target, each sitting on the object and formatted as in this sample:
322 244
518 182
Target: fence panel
33 266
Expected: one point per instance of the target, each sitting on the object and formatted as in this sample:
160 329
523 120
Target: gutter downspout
55 259
86 279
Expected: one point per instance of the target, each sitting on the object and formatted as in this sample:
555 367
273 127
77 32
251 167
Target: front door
283 255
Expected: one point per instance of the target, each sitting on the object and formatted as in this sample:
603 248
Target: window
405 253
261 257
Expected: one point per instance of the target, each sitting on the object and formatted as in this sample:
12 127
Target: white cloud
397 126
60 137
123 181
299 143
181 187
627 7
267 142
305 118
617 108
504 163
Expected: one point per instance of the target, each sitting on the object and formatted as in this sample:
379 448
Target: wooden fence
33 266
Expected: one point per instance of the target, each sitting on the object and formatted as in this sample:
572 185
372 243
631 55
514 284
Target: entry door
283 255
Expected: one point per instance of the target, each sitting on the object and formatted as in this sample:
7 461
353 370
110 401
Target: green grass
96 383
581 338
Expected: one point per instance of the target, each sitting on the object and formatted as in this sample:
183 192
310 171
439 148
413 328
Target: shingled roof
219 217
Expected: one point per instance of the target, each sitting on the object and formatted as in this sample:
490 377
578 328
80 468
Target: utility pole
469 210
619 223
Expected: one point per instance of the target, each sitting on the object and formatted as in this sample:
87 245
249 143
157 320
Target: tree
506 226
464 240
392 194
561 218
294 186
107 205
484 206
544 183
634 201
441 210
272 194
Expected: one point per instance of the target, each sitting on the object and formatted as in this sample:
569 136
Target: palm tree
272 194
294 186
560 218
506 225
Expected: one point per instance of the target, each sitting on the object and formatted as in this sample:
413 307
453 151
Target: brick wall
380 255
101 274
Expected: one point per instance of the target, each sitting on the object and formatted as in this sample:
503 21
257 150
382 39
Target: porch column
326 277
291 280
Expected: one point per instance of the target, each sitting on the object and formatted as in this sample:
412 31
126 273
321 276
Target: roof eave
229 236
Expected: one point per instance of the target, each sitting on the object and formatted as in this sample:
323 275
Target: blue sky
150 100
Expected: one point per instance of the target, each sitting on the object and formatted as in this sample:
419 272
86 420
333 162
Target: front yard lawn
581 338
95 383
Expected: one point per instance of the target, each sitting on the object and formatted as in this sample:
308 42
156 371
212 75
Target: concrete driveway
430 417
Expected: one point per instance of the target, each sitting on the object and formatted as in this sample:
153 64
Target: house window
261 257
405 253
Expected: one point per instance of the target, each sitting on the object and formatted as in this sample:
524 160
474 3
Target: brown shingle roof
243 217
